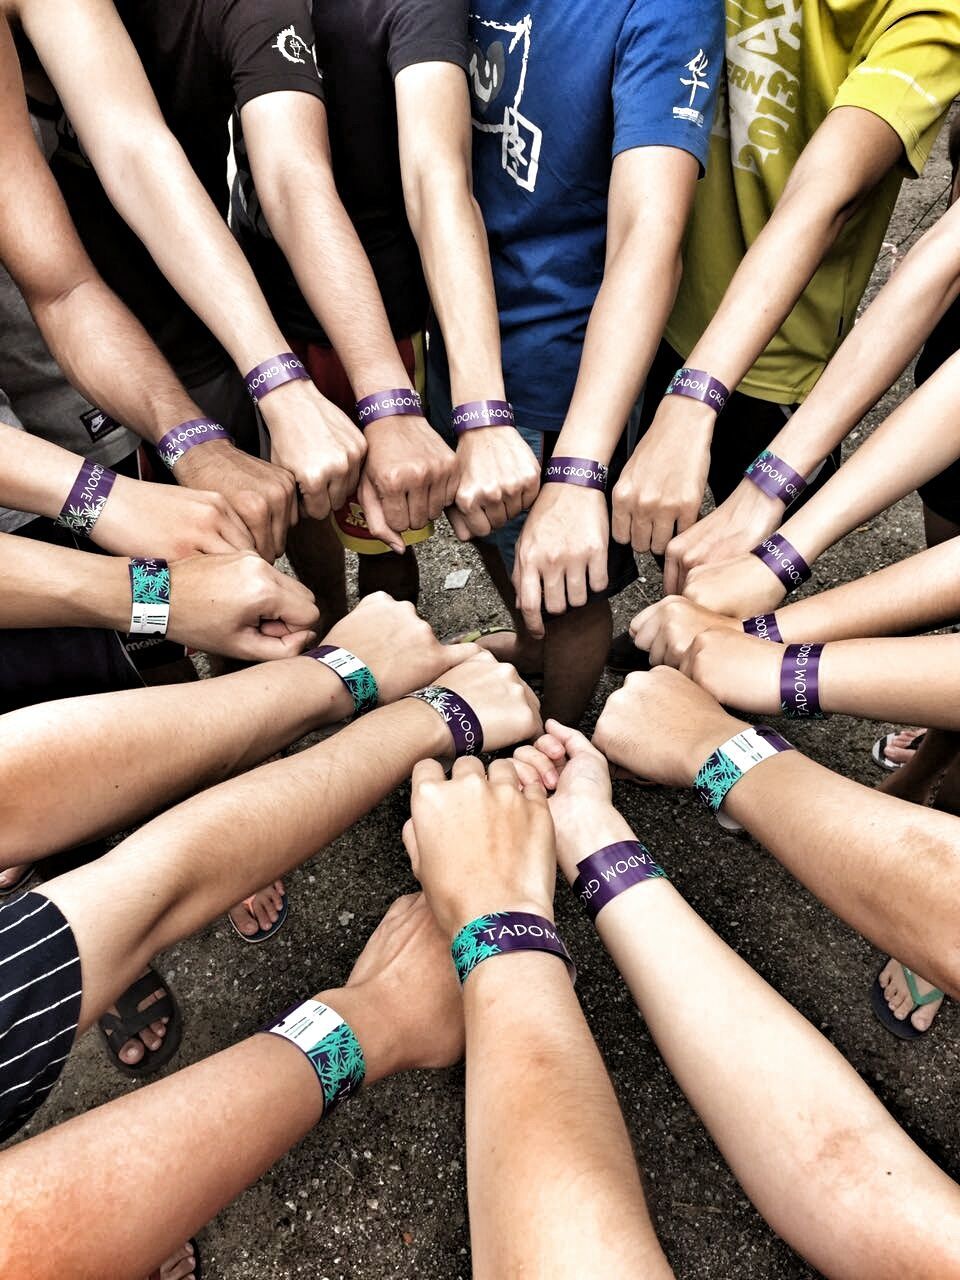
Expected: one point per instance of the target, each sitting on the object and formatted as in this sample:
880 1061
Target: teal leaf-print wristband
330 1046
502 932
354 673
732 759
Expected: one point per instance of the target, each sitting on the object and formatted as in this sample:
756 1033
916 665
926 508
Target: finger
641 531
597 570
572 741
671 569
528 601
530 491
527 776
255 646
554 594
513 503
459 524
235 532
467 767
316 503
396 512
297 642
496 514
278 522
376 521
547 744
293 604
424 774
620 517
418 506
478 521
576 586
451 483
687 517
502 773
456 654
221 542
662 532
529 759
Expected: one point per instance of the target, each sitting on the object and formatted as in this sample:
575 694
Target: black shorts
744 428
942 493
40 992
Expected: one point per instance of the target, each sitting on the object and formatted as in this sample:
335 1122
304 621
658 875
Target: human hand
747 517
240 606
402 998
740 588
562 548
398 646
662 726
480 843
507 708
663 484
499 478
316 442
262 494
145 519
408 478
739 670
666 629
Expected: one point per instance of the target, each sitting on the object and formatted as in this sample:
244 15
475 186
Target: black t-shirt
361 45
204 59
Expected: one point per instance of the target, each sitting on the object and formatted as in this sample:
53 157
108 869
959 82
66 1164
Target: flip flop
197 1264
129 1021
903 1029
262 935
878 751
24 882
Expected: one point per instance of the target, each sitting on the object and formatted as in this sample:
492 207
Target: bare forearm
47 586
35 476
913 680
536 1084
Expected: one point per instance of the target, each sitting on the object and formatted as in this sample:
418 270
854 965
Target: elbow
426 194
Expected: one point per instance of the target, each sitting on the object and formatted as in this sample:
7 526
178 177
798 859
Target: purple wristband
177 441
607 873
274 373
785 560
501 932
586 472
776 478
482 413
394 403
699 385
764 626
800 682
459 717
87 498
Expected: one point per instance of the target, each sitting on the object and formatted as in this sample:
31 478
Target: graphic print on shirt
294 48
496 72
696 81
761 83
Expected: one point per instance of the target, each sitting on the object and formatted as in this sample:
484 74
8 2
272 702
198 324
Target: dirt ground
380 1189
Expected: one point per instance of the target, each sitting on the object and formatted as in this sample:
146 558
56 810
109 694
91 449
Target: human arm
156 745
851 151
853 1218
563 547
535 1080
872 357
900 863
499 475
402 1003
235 604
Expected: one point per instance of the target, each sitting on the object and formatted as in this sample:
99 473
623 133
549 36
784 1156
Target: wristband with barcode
353 671
697 384
398 402
776 478
612 870
87 498
150 588
330 1046
586 472
266 377
482 413
724 768
502 932
176 442
764 627
800 682
783 559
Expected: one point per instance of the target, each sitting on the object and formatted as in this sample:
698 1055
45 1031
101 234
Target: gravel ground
380 1190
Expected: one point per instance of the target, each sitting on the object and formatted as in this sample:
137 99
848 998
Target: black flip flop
902 1028
197 1264
879 749
117 1030
261 935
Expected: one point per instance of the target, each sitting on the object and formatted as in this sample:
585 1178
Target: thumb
376 521
455 654
458 524
255 646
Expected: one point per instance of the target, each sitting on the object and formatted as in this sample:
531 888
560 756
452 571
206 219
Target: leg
398 576
574 653
314 550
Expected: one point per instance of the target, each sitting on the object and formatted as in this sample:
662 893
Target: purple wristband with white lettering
784 559
776 478
87 498
501 932
800 682
394 403
177 441
459 717
586 472
764 627
699 385
604 875
274 373
482 413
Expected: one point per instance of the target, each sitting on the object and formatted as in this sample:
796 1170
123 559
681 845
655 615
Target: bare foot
260 911
180 1265
900 999
151 1037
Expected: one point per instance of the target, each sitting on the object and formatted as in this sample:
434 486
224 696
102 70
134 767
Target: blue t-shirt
558 89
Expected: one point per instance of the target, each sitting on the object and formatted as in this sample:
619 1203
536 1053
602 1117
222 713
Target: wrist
98 592
433 737
372 1019
583 826
708 738
200 455
329 698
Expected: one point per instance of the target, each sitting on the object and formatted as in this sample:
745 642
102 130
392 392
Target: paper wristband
274 373
776 478
764 627
354 673
502 932
482 413
784 559
586 472
800 682
176 442
604 875
699 385
732 759
150 586
329 1044
87 498
396 403
459 717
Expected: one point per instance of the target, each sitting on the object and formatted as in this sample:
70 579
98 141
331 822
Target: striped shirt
40 991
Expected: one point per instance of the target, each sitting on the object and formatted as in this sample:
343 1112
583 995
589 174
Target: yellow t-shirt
788 64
